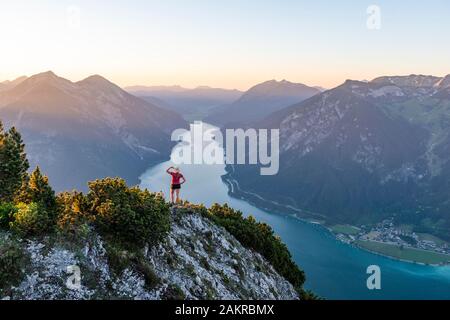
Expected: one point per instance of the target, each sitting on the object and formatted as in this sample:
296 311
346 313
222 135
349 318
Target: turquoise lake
334 270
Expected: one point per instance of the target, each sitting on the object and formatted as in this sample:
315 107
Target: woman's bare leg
178 195
171 195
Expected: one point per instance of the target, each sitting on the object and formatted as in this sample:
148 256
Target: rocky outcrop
198 260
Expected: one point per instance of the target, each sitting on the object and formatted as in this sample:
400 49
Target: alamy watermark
205 145
373 21
73 282
374 280
73 17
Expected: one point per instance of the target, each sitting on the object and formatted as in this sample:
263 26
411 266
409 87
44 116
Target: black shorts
175 186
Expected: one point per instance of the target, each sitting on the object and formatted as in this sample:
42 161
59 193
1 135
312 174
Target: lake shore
414 256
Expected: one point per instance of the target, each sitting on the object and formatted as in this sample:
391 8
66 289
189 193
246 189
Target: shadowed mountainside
79 131
362 152
260 101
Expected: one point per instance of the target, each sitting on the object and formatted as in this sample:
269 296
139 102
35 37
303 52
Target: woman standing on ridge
177 180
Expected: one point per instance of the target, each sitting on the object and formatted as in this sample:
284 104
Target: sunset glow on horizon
228 44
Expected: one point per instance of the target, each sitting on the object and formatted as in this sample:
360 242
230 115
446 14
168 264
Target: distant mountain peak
99 82
351 82
283 85
45 75
261 100
413 80
274 81
48 78
96 78
203 87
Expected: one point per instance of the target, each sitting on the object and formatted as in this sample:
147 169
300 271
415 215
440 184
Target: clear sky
223 43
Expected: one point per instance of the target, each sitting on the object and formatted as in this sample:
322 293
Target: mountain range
193 104
361 152
225 107
358 153
6 85
90 128
260 101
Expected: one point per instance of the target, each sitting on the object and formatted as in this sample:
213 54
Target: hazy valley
192 104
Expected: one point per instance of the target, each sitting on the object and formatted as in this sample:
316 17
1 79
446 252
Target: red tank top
176 177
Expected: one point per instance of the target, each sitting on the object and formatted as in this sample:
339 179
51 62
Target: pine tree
13 163
37 189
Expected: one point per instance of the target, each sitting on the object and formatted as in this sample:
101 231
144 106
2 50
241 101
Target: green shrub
309 295
73 212
120 259
12 261
150 277
261 238
127 214
30 220
173 292
7 211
